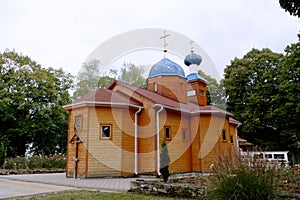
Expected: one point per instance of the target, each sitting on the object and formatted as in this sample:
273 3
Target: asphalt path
18 189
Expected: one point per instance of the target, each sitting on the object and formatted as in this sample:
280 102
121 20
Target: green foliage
31 100
291 6
133 75
215 92
87 79
36 162
16 163
263 93
2 155
164 161
98 195
234 180
105 81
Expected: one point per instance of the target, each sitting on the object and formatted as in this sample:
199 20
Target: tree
105 81
2 155
291 6
263 93
129 73
215 92
164 161
31 101
87 79
287 99
133 75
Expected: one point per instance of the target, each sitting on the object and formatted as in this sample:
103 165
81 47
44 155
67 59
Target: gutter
192 112
136 141
101 103
158 140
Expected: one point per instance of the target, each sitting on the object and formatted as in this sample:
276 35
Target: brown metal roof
106 96
157 98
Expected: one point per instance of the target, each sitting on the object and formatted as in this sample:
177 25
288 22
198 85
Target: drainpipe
136 141
157 139
237 142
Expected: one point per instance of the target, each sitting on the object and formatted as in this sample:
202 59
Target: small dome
196 76
192 59
166 67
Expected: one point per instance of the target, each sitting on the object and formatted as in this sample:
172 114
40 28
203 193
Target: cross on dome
165 44
192 48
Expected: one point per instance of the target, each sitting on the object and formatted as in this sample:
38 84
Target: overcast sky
62 33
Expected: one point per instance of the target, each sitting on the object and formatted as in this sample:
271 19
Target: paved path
104 184
20 189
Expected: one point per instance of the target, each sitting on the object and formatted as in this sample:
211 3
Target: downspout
136 141
157 139
237 142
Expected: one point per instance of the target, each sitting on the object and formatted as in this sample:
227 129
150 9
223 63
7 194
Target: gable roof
160 100
104 96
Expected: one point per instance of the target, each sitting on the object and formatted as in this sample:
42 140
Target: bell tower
196 84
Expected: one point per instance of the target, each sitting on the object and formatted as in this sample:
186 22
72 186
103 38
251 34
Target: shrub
36 162
2 155
236 180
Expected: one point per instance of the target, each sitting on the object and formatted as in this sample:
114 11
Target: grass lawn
87 194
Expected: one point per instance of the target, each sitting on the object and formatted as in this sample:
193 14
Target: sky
62 34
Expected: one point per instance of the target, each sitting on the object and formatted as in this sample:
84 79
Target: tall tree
215 91
87 79
291 6
287 99
128 73
132 74
31 99
105 81
263 91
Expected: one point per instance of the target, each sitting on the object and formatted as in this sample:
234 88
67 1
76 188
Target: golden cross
165 44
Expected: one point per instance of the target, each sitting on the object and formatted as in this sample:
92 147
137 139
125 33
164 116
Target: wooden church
118 131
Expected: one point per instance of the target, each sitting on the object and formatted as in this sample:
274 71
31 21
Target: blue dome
192 59
166 67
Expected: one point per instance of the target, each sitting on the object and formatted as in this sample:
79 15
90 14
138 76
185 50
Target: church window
78 123
231 139
201 92
184 135
105 131
155 87
167 133
224 134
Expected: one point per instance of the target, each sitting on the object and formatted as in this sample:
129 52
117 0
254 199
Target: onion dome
192 58
166 67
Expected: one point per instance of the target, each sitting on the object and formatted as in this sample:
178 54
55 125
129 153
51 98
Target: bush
2 155
236 180
36 162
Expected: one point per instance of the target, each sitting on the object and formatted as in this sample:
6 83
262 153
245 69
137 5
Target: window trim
165 133
110 132
224 135
201 93
231 139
